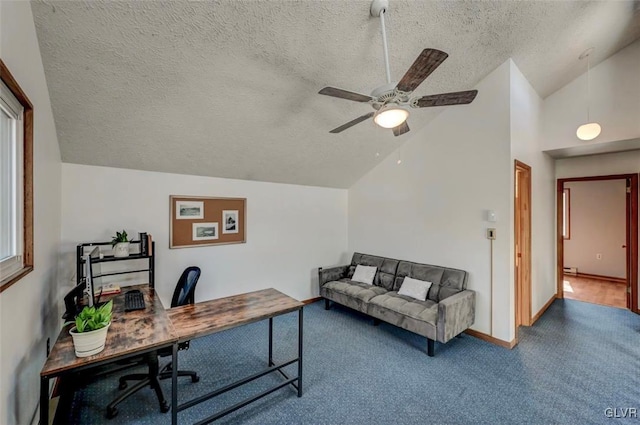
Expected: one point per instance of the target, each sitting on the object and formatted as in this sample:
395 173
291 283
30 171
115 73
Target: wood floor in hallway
595 291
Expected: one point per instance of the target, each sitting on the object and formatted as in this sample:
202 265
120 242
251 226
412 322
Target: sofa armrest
456 314
331 274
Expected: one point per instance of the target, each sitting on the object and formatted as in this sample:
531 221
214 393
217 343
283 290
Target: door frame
631 229
522 289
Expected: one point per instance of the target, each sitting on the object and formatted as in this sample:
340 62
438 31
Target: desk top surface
129 333
204 318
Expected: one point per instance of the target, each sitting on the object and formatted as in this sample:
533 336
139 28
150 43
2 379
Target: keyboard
133 300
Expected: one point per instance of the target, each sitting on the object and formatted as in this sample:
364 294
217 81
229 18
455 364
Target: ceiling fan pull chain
384 46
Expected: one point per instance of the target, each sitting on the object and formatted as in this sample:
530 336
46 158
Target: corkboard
203 221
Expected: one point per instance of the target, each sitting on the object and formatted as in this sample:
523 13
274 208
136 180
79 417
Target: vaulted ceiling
229 88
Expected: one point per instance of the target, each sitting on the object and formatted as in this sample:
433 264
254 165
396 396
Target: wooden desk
200 319
131 334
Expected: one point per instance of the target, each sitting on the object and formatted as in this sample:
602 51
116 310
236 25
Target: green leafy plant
91 318
120 237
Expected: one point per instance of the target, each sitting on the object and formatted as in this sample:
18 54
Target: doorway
522 248
596 287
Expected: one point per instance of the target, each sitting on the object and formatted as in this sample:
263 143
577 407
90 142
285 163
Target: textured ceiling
229 88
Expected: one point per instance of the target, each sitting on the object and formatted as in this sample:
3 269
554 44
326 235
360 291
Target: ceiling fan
392 101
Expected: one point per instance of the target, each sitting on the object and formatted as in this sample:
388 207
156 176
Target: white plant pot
121 249
89 343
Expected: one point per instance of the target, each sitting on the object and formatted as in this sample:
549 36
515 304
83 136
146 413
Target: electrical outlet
491 233
598 256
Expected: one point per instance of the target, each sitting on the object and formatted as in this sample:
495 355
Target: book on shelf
143 244
108 289
149 245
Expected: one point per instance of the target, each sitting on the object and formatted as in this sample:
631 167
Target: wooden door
522 249
632 243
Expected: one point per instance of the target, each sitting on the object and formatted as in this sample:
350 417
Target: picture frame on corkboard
205 221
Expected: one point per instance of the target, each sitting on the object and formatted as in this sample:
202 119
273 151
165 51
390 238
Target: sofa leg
376 322
430 345
327 304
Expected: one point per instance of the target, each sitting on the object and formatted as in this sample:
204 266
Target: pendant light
590 130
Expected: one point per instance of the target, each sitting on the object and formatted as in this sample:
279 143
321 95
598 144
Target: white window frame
14 183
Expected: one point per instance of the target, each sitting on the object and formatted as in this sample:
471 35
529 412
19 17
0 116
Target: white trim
9 102
14 190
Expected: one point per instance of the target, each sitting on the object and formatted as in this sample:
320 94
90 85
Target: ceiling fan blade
352 123
423 66
344 94
401 129
444 99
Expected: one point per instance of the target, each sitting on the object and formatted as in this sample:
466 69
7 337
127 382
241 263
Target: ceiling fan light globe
588 131
391 117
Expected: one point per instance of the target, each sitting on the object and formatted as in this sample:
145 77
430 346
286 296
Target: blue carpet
576 361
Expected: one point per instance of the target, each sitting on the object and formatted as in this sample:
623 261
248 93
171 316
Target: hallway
595 291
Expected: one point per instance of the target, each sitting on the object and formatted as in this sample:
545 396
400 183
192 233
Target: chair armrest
456 314
331 274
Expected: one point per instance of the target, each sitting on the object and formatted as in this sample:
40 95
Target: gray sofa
448 310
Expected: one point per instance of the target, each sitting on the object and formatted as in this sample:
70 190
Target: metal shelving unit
80 251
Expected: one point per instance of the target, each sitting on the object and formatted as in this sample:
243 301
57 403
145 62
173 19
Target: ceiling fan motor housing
388 93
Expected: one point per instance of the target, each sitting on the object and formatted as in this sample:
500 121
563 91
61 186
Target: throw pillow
415 288
364 274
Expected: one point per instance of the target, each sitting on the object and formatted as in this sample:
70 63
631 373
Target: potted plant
90 331
120 244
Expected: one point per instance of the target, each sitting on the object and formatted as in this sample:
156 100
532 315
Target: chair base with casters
146 379
183 294
166 372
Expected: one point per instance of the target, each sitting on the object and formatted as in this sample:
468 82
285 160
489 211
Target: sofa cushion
386 268
446 282
422 272
453 281
425 311
361 291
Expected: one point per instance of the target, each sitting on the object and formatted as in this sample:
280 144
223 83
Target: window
16 170
566 213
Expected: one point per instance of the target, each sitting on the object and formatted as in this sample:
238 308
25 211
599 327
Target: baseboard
311 300
483 336
543 309
597 276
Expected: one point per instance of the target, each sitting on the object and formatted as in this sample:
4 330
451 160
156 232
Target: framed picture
229 221
189 210
203 221
205 231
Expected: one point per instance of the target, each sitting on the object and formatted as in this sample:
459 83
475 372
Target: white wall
615 102
597 226
526 115
430 209
291 230
29 308
600 165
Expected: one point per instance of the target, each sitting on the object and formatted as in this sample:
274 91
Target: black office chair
183 294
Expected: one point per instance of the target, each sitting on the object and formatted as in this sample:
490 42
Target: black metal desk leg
44 400
300 334
271 341
174 384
